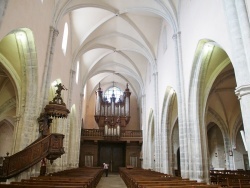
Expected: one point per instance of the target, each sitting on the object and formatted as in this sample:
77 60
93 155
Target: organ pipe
127 94
98 101
112 116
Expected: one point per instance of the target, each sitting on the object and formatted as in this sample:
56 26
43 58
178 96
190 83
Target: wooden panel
118 157
113 154
50 147
88 148
105 152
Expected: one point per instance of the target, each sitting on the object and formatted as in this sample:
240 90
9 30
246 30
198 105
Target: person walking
106 168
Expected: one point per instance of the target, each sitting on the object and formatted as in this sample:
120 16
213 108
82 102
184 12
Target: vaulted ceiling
117 40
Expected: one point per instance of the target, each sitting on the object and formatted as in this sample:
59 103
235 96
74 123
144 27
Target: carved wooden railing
131 133
98 134
50 147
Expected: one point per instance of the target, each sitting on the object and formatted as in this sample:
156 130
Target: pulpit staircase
49 147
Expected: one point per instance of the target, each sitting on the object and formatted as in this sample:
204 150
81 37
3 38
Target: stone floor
112 181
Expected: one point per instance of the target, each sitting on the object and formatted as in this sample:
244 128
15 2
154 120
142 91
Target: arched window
117 92
65 38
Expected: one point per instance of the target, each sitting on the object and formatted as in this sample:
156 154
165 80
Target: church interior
154 85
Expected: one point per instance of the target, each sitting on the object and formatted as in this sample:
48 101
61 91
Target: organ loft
112 142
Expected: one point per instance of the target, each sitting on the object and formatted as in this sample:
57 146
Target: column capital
176 35
17 118
242 90
54 30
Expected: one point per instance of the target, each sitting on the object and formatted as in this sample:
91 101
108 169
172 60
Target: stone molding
9 104
242 90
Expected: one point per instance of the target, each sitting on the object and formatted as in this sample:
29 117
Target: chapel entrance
112 153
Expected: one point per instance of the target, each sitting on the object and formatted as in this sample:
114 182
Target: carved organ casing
113 115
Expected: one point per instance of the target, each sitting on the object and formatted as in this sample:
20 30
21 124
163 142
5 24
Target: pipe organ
112 115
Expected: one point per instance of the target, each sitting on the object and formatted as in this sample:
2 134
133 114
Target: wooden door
113 154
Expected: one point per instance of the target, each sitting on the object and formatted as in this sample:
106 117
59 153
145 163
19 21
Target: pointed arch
149 142
167 120
200 86
21 67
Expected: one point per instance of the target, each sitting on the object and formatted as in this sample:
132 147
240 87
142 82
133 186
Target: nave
112 181
129 177
180 71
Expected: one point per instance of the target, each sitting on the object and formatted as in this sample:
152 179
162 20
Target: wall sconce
216 155
230 153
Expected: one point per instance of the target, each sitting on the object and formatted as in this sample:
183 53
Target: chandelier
112 115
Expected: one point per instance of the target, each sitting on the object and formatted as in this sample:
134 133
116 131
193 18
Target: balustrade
50 147
99 134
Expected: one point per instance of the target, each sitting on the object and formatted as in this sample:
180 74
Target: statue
58 99
60 87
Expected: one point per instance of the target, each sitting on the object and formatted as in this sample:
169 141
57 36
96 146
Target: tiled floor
112 181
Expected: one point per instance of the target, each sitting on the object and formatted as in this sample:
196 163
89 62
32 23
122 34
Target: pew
181 186
230 178
141 178
72 178
38 186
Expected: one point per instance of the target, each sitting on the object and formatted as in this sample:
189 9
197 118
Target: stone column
69 129
17 132
164 145
156 127
146 141
244 27
239 59
78 129
237 22
229 159
48 66
183 138
243 93
144 130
